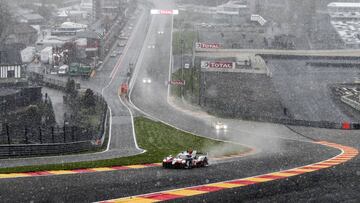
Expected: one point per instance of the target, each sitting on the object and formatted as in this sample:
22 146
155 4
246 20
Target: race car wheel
205 162
167 165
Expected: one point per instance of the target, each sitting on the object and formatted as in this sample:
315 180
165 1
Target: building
11 66
110 8
32 19
91 42
233 8
345 18
69 3
68 29
86 5
344 10
344 7
23 33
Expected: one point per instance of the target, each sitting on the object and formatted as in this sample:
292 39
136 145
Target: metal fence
12 134
7 151
20 140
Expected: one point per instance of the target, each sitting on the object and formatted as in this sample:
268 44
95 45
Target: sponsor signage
218 64
177 82
164 12
207 45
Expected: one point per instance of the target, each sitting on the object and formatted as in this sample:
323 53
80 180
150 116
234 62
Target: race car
185 160
219 125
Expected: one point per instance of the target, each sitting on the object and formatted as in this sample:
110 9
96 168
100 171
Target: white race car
146 80
185 160
220 126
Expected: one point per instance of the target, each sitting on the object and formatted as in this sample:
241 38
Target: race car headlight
225 127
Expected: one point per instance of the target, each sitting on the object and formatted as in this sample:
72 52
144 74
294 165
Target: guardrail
344 125
297 122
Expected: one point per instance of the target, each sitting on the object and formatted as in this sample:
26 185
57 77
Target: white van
63 69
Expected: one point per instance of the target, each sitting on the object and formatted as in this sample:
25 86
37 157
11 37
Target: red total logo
166 12
208 45
218 64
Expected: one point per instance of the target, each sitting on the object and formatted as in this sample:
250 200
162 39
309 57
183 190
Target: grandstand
345 18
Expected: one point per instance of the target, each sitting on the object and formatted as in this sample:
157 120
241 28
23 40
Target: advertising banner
199 45
218 64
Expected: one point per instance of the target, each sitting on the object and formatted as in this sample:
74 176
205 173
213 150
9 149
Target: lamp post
182 67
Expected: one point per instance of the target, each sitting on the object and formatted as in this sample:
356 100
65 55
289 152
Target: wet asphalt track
108 185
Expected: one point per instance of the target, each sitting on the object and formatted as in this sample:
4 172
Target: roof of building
23 28
32 16
87 34
73 25
9 56
344 5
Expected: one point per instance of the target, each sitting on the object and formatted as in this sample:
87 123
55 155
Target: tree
5 21
45 11
32 116
88 99
70 87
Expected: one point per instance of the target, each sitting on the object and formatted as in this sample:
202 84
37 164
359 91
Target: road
107 82
278 148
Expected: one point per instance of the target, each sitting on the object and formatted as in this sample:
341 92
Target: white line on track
141 56
112 76
132 124
129 42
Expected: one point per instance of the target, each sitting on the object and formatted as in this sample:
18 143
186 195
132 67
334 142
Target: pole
26 137
64 129
8 134
52 135
182 67
40 135
72 133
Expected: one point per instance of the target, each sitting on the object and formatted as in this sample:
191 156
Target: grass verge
192 84
157 138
